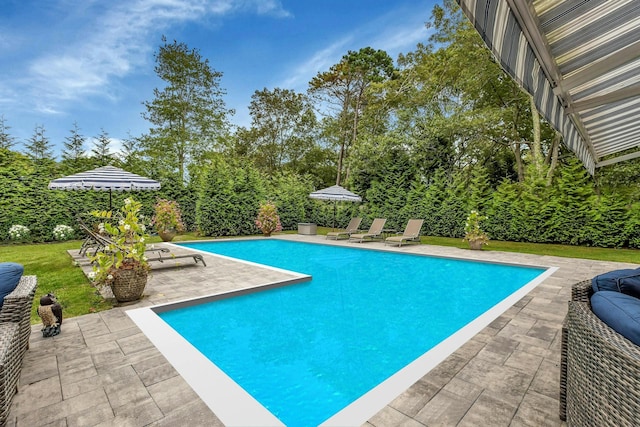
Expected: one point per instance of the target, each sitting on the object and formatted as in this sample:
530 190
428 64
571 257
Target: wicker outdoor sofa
15 329
599 370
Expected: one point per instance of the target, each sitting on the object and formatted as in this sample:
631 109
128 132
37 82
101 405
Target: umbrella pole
333 224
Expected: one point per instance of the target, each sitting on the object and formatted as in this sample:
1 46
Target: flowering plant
472 230
268 220
126 236
18 232
63 232
167 216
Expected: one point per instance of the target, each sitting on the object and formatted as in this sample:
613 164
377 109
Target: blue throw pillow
10 274
620 311
626 281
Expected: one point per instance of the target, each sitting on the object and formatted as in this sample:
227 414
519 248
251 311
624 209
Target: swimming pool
367 317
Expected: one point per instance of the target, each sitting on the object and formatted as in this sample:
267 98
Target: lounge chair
167 255
351 228
375 231
411 233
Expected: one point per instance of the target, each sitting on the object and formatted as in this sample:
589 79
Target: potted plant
167 219
122 264
472 231
268 220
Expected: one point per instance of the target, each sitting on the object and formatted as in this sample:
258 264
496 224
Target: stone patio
103 371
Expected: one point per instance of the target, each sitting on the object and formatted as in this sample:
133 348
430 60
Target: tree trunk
537 144
519 165
555 147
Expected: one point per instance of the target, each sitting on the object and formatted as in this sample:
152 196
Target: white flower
134 251
121 222
127 227
143 228
91 275
144 258
141 239
110 277
17 232
127 201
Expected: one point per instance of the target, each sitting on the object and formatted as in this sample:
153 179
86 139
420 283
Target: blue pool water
308 350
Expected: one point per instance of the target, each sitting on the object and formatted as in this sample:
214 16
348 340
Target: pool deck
103 371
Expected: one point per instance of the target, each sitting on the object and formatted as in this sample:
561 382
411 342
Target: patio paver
103 371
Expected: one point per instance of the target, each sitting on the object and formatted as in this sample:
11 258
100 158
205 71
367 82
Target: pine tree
101 151
38 146
73 149
6 140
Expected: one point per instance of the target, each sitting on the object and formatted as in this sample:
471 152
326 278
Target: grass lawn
57 274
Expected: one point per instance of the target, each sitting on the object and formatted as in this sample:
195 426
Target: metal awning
580 59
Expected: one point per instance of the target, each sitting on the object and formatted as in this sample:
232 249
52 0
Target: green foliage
473 230
228 199
502 212
188 114
607 224
128 242
290 193
283 125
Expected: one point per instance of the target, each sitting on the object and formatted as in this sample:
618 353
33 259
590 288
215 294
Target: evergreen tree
228 198
569 205
73 150
479 189
38 146
6 139
607 223
101 149
502 211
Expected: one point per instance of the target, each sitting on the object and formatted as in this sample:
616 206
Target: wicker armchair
17 308
15 329
10 366
600 369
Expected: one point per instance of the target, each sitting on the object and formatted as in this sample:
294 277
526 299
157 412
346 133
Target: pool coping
236 407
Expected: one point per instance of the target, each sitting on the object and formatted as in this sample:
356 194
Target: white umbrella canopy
105 178
335 193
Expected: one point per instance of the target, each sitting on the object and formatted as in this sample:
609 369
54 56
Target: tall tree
6 139
282 128
73 148
101 150
344 87
188 115
39 146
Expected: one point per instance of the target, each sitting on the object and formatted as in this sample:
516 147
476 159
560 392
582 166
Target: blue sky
91 61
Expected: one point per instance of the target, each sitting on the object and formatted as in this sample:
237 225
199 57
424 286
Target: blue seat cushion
621 312
10 274
626 281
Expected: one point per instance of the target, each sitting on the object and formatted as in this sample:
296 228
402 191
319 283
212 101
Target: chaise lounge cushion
10 274
620 312
626 281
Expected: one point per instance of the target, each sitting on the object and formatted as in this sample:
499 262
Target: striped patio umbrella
335 193
105 178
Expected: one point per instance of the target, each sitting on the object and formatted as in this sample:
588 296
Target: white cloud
393 34
322 60
112 44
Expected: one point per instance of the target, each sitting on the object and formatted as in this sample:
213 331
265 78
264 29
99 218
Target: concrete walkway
103 371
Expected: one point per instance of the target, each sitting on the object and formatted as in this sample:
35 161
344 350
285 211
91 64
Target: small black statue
50 311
